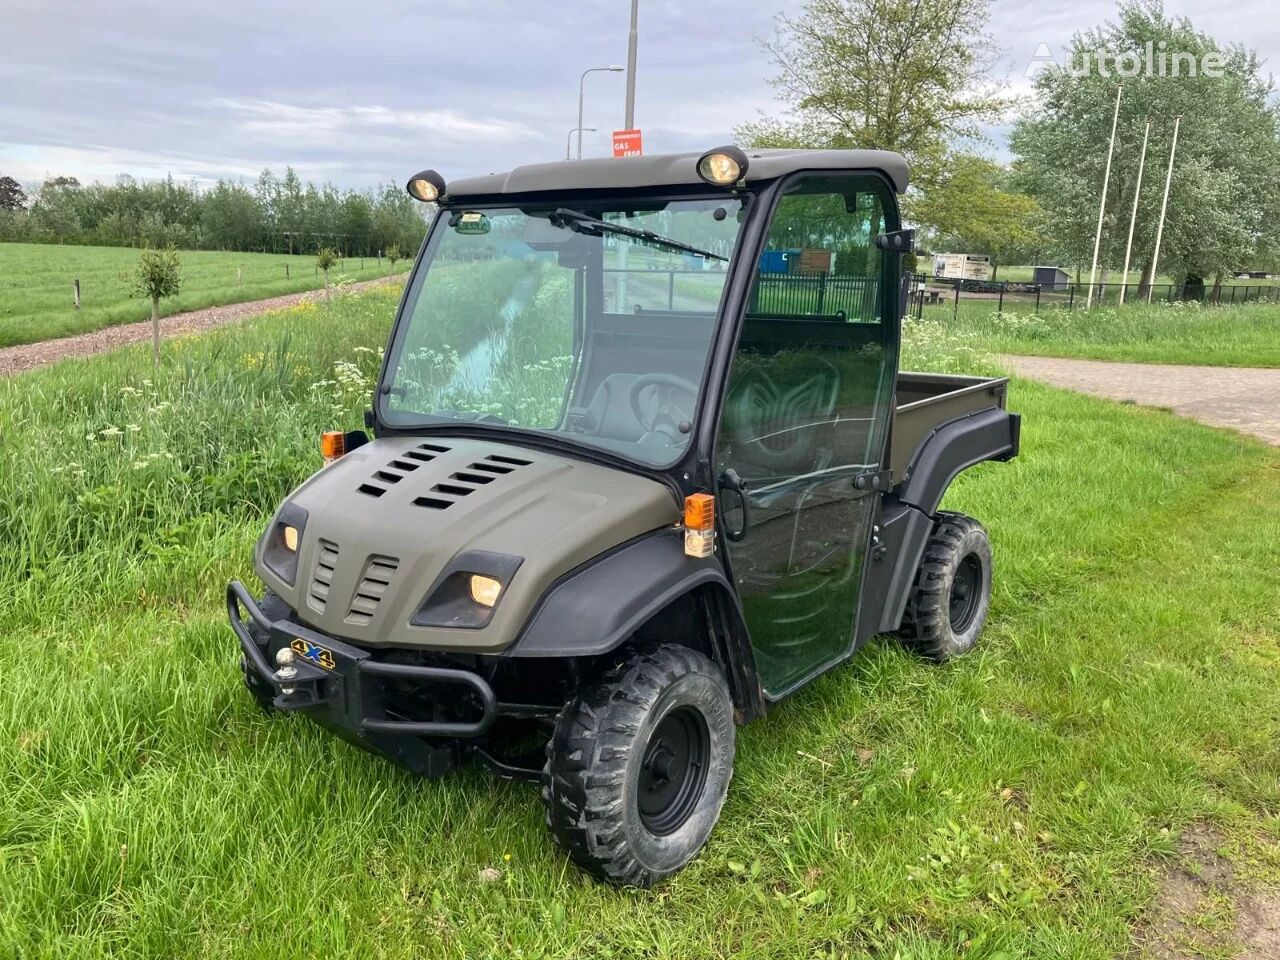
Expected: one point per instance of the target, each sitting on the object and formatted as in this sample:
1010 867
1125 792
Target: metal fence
854 298
626 291
932 292
822 294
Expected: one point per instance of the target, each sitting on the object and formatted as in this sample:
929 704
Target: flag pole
1133 217
1102 204
1164 206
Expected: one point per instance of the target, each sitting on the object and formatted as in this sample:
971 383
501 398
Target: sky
362 94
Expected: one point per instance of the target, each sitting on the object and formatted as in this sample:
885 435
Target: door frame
725 348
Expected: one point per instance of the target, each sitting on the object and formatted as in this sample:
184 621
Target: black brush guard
347 690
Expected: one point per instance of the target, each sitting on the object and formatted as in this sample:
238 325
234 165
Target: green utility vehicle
642 464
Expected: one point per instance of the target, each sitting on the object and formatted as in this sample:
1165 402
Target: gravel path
1240 398
28 356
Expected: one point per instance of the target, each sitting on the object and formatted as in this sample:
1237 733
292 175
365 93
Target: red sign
626 143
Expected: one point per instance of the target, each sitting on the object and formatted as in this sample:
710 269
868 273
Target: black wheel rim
966 593
673 771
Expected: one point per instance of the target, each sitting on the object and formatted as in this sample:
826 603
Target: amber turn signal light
699 511
332 445
699 525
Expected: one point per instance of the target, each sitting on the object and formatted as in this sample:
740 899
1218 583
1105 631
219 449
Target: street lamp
581 84
569 139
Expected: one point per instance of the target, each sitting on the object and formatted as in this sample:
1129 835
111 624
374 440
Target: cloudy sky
365 93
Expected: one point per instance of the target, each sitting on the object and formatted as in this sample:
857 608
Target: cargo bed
925 401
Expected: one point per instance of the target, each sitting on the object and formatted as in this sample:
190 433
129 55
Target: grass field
36 285
1017 803
1243 336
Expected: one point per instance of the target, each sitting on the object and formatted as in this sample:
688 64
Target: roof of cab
668 169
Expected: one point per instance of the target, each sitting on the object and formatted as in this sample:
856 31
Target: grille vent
374 583
467 481
400 467
322 580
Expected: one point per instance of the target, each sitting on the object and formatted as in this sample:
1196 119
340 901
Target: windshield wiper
580 222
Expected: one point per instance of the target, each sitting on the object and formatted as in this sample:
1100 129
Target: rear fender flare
954 446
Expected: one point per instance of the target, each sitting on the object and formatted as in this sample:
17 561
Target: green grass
1016 803
36 285
1243 336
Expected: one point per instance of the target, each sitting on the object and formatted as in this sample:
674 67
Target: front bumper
347 689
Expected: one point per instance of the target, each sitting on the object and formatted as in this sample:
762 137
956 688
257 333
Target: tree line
916 77
274 214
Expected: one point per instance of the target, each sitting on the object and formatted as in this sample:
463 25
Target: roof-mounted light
723 166
427 186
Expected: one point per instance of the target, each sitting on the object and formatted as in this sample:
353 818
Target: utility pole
1102 204
569 139
631 68
582 82
1164 206
1133 217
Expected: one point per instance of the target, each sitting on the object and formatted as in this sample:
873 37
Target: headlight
281 543
723 166
485 590
427 186
467 590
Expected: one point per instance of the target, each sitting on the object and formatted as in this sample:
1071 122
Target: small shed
1051 278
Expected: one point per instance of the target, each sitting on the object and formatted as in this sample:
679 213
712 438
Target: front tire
639 765
951 596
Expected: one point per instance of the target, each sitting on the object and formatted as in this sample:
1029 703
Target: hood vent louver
465 482
322 579
374 583
400 467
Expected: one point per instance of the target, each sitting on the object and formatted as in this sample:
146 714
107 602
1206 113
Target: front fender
596 607
600 605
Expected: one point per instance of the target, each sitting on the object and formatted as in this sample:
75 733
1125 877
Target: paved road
28 356
1240 398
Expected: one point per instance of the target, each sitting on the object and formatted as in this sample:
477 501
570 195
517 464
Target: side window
812 377
820 260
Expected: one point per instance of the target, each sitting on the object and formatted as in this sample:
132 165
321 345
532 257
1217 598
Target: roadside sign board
626 143
962 266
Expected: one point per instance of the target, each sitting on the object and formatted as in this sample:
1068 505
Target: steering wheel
661 409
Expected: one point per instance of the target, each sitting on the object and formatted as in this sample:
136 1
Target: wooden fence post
77 292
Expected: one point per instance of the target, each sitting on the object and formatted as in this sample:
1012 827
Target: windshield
589 322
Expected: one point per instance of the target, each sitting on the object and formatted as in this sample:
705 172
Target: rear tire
639 765
951 596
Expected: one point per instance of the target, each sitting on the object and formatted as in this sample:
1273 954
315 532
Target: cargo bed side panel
928 400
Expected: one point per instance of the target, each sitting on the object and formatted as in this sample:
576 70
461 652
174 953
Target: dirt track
28 356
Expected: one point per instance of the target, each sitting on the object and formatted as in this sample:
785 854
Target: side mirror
898 241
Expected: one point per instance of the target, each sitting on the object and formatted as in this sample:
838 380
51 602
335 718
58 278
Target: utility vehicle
642 464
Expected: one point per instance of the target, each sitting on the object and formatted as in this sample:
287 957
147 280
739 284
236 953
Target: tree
903 75
325 260
1224 203
972 208
158 275
394 254
11 194
231 217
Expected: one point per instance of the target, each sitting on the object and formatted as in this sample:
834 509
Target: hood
403 517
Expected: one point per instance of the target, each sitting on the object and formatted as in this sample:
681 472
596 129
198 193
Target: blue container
776 261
